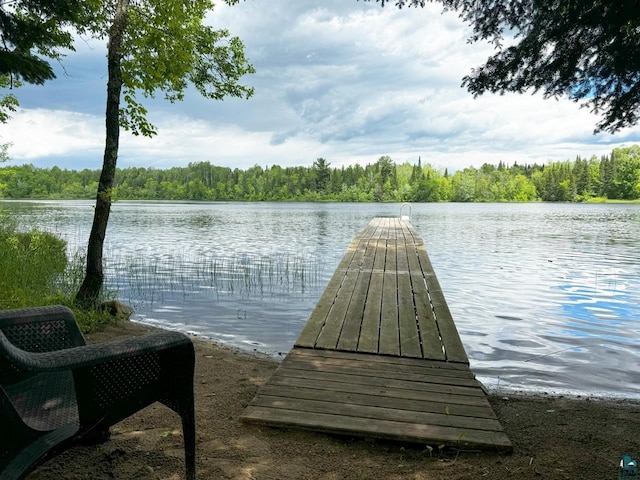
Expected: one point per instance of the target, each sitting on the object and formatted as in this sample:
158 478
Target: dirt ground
553 438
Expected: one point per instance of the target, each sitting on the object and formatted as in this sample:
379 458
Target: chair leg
189 434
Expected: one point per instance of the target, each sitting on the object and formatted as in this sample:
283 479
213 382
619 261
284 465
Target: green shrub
88 320
29 264
35 271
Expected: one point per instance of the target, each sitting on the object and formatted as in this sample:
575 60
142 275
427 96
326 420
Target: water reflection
545 296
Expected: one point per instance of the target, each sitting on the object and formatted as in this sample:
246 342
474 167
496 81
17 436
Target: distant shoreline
613 177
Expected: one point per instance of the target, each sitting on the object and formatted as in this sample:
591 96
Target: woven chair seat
46 401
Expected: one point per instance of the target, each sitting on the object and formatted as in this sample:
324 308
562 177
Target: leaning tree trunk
89 292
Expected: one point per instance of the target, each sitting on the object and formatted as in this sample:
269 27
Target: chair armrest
41 329
95 354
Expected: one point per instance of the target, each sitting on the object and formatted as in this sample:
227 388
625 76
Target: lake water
546 297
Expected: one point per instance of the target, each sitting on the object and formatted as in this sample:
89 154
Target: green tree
431 190
627 178
581 179
154 45
607 177
520 189
416 172
579 49
554 182
464 185
386 169
322 174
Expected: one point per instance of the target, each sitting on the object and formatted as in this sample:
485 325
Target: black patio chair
55 390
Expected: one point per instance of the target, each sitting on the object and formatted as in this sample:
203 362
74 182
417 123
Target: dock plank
407 376
383 362
328 337
444 397
377 383
400 431
407 404
389 342
376 412
454 350
370 332
407 322
351 331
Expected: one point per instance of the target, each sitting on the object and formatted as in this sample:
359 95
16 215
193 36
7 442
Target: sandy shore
553 437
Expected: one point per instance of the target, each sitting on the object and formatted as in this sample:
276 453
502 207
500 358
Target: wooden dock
381 356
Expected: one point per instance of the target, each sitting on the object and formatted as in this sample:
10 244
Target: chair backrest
38 329
41 329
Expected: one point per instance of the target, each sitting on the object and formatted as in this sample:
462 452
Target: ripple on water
545 296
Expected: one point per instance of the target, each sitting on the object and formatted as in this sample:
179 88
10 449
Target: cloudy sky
345 80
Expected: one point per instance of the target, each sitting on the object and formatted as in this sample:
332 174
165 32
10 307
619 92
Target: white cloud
345 80
38 133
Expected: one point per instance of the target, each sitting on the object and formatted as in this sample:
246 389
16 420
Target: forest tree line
614 177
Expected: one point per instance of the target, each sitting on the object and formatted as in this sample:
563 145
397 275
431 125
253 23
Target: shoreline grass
607 200
35 271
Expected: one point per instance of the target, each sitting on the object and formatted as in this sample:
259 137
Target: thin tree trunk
89 291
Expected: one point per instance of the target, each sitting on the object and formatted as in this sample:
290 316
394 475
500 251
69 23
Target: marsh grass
246 275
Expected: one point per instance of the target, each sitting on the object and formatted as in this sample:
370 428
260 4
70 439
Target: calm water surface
546 296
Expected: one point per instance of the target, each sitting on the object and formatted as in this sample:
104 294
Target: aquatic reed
245 275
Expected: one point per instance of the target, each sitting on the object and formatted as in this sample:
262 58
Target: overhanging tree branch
587 51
